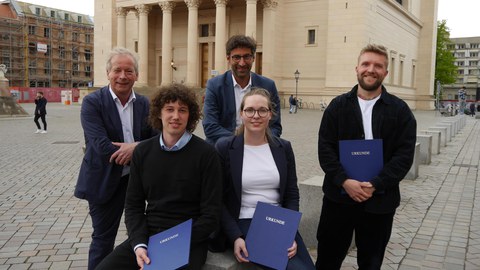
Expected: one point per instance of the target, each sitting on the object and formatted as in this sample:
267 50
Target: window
32 47
32 67
204 30
52 13
391 73
474 45
461 46
48 50
400 76
87 38
31 29
399 1
74 36
37 11
61 34
47 69
62 52
473 63
460 63
460 72
414 66
460 54
75 54
79 19
75 69
311 37
451 46
66 17
46 32
87 71
88 55
474 54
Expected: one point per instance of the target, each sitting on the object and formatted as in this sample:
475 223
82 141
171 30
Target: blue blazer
98 178
231 153
219 109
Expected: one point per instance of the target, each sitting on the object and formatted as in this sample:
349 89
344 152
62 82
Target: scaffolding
46 47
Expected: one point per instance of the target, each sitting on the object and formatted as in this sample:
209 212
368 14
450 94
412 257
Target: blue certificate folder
170 249
362 160
271 233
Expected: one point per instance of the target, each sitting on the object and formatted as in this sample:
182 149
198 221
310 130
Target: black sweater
167 188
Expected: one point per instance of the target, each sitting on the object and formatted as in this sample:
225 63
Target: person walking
40 112
472 109
293 104
367 112
114 120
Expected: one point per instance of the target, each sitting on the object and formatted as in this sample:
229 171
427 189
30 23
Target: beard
369 87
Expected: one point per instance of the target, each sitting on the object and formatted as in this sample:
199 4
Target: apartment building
184 41
45 47
466 51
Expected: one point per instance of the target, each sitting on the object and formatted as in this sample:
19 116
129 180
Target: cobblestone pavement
42 226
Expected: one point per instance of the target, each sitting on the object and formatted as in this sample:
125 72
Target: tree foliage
445 69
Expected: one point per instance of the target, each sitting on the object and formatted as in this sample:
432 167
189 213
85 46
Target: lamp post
297 75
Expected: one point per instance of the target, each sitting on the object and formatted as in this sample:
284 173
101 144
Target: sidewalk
42 226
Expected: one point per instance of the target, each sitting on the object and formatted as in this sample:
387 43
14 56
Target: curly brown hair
172 93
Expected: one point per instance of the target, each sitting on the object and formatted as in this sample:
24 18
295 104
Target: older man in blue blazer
114 120
224 93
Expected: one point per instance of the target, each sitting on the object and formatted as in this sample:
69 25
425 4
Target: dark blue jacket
219 110
98 178
41 106
393 122
231 154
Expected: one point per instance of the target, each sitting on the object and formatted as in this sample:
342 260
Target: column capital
221 2
143 9
193 3
269 4
167 6
121 11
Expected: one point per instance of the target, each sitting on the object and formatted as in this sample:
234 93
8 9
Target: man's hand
142 258
357 190
124 154
240 250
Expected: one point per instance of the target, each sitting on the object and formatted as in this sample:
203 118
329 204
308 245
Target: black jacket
41 106
392 121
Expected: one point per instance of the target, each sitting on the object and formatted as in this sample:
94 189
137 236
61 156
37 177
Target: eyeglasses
250 112
246 57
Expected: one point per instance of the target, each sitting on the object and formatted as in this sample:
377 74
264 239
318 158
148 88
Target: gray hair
121 51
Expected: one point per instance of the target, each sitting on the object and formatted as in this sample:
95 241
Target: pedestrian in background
40 112
367 112
293 104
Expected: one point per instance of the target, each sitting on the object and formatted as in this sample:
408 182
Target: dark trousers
335 231
301 261
105 222
123 258
42 116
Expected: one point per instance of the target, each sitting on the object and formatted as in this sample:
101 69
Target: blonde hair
375 48
271 106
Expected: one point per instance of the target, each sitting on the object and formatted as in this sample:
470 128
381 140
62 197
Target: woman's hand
240 250
292 251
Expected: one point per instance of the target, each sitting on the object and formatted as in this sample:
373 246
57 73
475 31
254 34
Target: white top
126 117
366 106
260 179
239 93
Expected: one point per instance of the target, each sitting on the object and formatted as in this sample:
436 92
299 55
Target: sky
462 15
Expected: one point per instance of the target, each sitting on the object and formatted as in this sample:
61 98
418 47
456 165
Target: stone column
269 7
192 42
143 11
220 35
167 56
251 19
121 26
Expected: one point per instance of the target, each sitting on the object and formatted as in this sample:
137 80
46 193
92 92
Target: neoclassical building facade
184 41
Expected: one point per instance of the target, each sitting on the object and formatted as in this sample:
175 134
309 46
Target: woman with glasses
258 167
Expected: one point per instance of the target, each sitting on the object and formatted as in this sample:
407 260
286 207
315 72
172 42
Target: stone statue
8 105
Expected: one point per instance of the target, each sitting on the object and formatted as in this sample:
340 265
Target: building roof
28 9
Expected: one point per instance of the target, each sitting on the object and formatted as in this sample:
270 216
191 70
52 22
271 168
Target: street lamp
297 75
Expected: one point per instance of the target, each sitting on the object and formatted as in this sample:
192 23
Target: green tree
445 69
